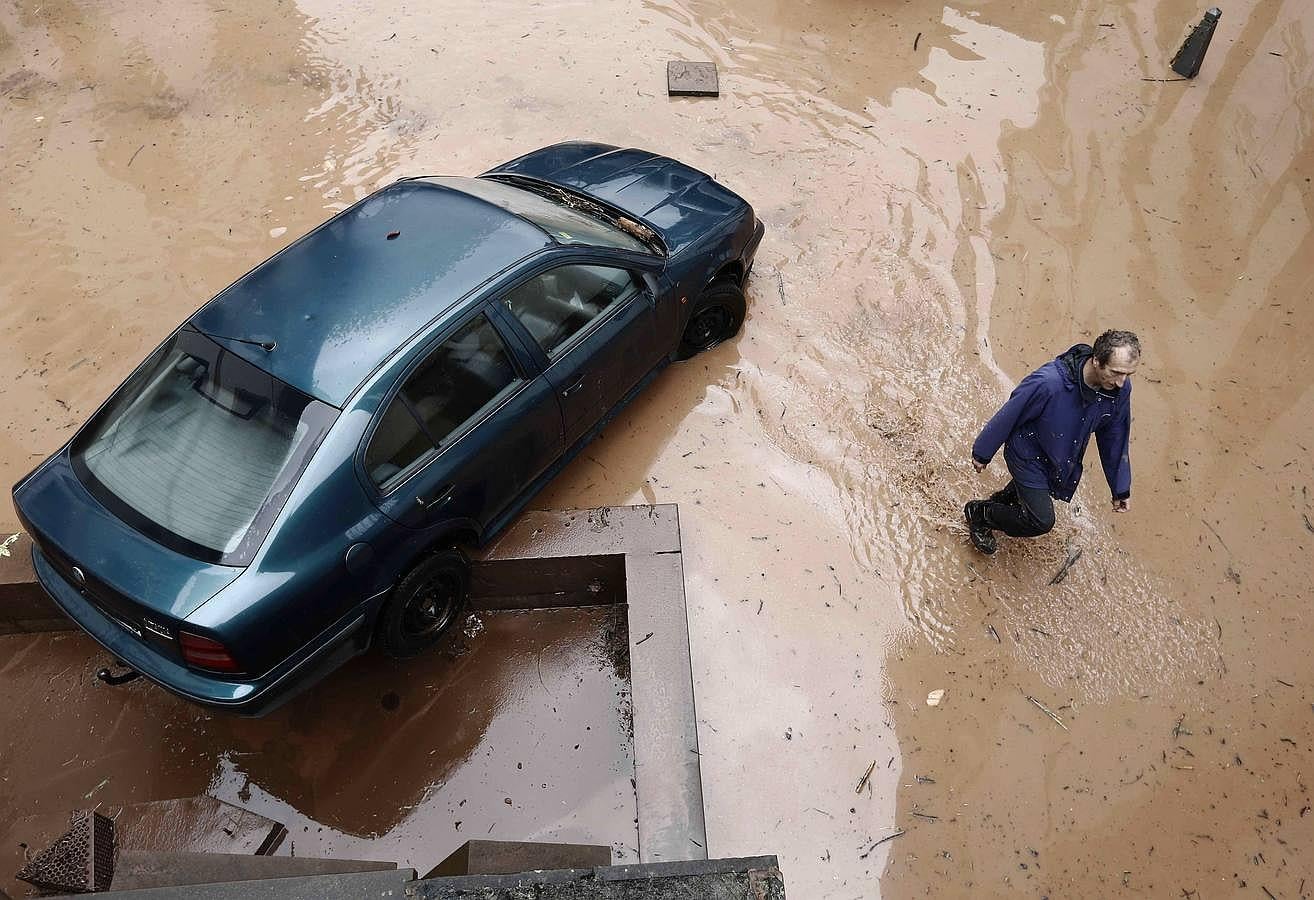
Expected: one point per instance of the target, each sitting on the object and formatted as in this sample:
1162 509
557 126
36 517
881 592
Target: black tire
716 317
425 604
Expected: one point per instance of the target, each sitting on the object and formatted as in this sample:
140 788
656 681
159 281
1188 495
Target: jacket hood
1071 362
1073 359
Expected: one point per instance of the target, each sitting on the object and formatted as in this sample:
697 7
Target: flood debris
1191 54
934 697
1047 711
1074 554
888 837
692 79
862 783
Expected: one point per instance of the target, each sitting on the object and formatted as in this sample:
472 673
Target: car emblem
79 577
156 628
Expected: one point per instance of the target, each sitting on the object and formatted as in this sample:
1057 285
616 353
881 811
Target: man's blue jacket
1047 423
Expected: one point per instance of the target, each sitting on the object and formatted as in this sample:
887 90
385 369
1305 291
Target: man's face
1112 375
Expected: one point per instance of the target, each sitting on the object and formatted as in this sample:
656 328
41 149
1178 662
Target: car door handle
574 386
443 495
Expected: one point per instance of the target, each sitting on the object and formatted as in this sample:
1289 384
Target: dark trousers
1020 511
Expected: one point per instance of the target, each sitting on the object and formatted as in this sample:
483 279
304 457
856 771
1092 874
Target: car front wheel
425 604
716 317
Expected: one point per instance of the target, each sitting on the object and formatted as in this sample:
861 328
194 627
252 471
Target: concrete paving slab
348 886
754 878
691 79
140 869
510 857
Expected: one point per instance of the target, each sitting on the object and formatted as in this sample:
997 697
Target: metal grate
82 860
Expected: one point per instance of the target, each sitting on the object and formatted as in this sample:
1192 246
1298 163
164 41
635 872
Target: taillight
204 653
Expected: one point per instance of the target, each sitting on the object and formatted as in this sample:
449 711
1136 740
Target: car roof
342 299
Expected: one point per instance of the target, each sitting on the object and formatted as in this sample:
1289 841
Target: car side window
397 444
559 304
459 381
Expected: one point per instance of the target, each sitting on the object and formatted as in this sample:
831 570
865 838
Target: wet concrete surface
521 732
953 195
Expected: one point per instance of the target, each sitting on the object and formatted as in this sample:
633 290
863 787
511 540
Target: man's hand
1122 505
978 465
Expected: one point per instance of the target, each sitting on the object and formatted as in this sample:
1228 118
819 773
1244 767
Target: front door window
558 305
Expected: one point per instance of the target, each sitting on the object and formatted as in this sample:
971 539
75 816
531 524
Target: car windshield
580 222
200 447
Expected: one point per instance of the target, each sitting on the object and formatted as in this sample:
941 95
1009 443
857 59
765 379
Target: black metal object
81 861
1192 52
123 677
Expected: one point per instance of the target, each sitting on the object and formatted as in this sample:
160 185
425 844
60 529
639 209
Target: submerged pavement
953 195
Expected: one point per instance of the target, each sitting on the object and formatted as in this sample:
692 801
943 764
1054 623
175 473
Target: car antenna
266 346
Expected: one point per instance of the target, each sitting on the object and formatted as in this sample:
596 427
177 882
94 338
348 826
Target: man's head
1117 353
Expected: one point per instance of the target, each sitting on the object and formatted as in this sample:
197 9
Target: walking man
1044 429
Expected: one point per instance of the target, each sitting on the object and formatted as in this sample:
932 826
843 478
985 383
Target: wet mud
953 195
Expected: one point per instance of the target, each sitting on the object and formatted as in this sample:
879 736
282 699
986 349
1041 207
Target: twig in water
925 816
1074 554
134 154
863 783
642 639
1217 535
917 40
994 634
1047 711
881 841
1163 79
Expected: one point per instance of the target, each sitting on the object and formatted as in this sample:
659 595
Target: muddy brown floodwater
953 194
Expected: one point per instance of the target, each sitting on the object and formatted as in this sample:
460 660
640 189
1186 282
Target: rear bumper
253 697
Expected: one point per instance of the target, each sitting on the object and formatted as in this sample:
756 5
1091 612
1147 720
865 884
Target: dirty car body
402 379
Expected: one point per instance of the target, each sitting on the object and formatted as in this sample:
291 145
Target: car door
596 328
464 435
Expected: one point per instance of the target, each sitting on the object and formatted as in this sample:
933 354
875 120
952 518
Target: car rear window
200 447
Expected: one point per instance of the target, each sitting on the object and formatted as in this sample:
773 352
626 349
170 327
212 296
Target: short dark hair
1111 340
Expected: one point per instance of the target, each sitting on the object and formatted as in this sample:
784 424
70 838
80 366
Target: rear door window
558 305
463 380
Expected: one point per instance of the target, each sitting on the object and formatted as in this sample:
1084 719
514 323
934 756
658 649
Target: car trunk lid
145 587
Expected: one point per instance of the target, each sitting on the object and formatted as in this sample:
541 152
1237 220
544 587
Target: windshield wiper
267 346
588 207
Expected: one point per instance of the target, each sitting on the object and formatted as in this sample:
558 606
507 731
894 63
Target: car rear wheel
716 317
425 604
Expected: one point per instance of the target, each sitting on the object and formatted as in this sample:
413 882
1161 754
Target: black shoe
982 537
